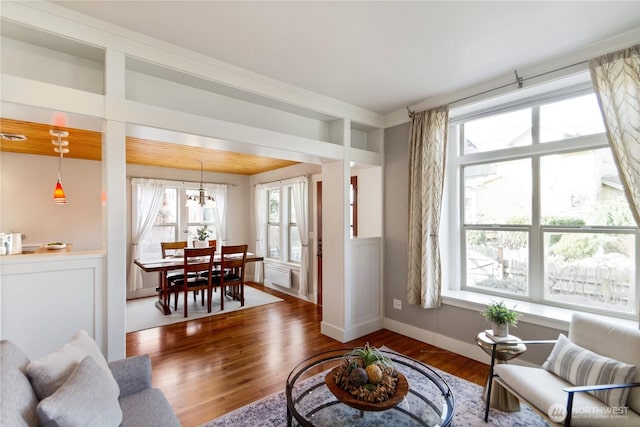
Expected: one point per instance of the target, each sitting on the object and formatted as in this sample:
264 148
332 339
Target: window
273 233
165 226
283 237
544 215
199 216
295 245
175 220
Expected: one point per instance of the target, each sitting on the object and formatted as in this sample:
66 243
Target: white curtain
300 203
219 193
150 193
261 229
427 152
616 79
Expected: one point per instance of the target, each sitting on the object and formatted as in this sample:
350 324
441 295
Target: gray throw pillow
48 373
580 366
85 399
17 400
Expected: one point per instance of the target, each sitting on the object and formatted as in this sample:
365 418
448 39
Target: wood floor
208 367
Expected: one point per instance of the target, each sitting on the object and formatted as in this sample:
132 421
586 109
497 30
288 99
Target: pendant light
60 147
201 199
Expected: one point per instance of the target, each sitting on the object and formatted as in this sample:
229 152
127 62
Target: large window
544 213
176 220
283 237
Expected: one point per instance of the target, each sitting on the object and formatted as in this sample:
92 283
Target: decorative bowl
56 246
402 388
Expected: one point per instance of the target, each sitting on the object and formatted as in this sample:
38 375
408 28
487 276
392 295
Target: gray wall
454 322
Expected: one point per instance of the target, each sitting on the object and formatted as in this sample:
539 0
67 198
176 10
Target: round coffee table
501 399
429 401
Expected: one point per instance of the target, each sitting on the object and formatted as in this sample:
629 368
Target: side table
501 399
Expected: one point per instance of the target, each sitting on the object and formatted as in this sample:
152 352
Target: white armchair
591 378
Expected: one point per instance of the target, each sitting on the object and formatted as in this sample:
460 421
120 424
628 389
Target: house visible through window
544 215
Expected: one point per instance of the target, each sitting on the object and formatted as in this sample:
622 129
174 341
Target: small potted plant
202 234
500 317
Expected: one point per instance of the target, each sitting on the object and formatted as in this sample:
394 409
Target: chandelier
60 147
202 198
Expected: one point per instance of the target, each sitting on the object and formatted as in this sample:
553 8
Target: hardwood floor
208 367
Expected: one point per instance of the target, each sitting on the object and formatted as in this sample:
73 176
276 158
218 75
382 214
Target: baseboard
344 335
332 331
466 349
470 350
363 329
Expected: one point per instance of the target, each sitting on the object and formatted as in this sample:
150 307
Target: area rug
143 314
271 411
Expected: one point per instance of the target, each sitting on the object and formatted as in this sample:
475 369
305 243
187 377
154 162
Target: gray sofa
140 403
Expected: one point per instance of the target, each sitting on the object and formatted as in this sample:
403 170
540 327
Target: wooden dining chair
172 249
196 261
214 243
232 262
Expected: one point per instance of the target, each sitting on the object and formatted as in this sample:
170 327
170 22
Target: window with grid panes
273 224
175 221
544 215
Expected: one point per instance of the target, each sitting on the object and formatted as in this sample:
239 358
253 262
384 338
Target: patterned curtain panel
427 152
616 79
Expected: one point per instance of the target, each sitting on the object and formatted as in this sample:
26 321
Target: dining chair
232 262
172 249
214 243
196 261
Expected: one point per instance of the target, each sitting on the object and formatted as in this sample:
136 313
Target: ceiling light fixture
60 147
201 199
13 137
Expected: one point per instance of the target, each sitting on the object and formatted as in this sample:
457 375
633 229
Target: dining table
164 265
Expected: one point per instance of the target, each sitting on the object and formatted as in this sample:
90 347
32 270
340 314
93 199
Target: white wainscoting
366 296
46 298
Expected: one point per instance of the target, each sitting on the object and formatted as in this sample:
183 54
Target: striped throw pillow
580 366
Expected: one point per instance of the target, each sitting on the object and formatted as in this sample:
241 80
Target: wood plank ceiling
84 144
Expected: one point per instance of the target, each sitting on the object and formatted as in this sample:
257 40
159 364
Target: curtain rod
130 177
518 80
278 181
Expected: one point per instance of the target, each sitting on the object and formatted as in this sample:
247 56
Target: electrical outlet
397 304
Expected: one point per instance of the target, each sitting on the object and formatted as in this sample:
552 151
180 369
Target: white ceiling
381 56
